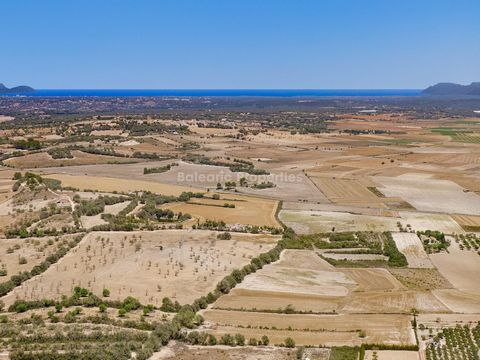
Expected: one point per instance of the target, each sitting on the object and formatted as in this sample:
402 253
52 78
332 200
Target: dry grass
34 250
460 268
411 246
42 159
322 329
248 210
108 184
179 351
146 265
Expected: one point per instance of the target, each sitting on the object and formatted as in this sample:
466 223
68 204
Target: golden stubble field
248 210
146 265
43 159
330 330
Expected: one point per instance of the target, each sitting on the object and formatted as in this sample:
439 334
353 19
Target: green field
459 135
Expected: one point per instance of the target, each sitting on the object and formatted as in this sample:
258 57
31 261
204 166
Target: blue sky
322 44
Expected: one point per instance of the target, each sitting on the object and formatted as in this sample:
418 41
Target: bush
239 340
228 340
265 340
224 236
289 342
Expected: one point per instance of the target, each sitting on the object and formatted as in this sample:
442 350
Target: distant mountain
453 89
15 90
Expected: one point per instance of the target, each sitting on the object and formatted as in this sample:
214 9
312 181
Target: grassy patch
375 190
344 353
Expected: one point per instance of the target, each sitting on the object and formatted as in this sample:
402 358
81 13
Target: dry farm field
146 265
411 246
214 229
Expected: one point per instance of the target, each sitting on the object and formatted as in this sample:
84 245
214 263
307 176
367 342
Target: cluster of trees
60 153
30 179
205 339
159 169
237 165
141 128
151 212
149 156
29 144
264 185
22 231
440 243
395 257
96 206
80 297
222 226
108 151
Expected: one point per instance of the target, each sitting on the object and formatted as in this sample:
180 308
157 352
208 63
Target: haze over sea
223 92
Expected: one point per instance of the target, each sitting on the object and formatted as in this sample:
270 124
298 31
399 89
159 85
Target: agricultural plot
391 355
347 191
411 246
459 135
146 265
43 159
305 283
468 222
461 268
247 210
109 184
310 222
373 279
397 302
455 343
18 255
459 301
428 221
330 330
125 171
428 194
300 278
178 351
468 242
420 279
70 341
241 298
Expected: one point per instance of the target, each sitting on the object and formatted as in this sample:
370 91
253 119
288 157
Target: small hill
453 89
15 90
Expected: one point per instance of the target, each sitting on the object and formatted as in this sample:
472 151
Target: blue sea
220 92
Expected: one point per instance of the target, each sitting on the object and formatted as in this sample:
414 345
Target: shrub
239 340
289 342
265 340
228 340
224 236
